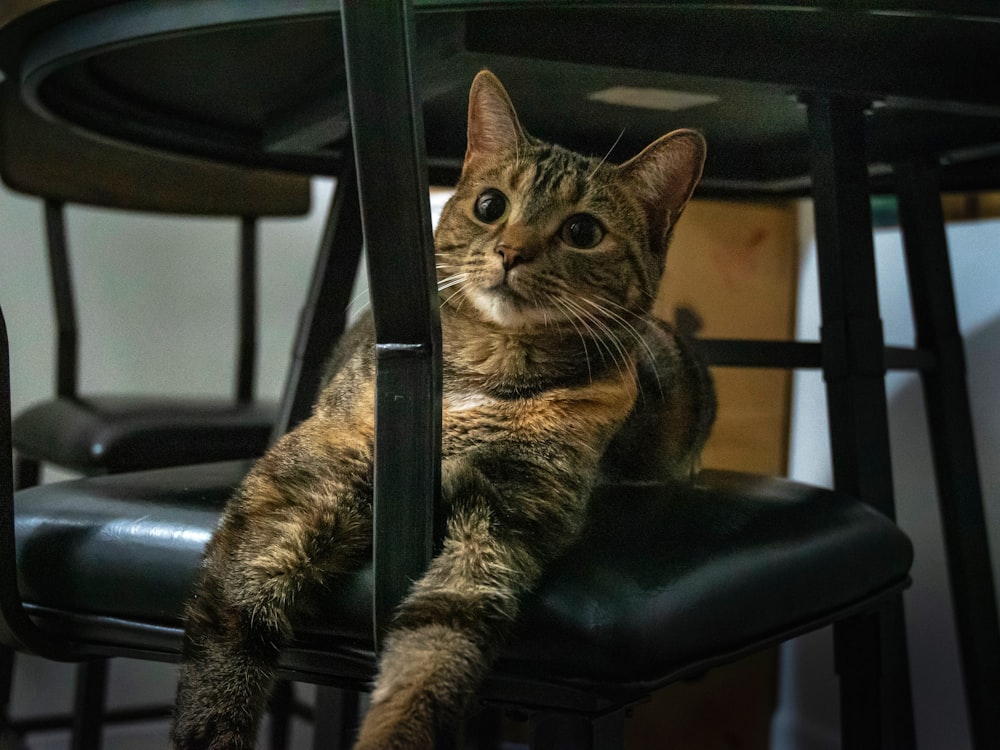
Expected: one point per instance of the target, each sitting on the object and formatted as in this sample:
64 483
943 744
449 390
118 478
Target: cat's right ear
493 126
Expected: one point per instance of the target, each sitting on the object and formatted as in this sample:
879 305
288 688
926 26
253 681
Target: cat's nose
512 255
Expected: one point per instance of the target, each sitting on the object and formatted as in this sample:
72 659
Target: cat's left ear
666 173
494 131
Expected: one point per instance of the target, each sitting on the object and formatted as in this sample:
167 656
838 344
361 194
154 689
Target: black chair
110 433
694 576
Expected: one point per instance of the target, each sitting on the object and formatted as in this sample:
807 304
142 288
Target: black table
832 99
264 83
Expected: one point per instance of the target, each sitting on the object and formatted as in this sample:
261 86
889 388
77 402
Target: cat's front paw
396 727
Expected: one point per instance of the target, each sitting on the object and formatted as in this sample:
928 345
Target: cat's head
536 234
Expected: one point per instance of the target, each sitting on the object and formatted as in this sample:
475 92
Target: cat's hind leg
301 516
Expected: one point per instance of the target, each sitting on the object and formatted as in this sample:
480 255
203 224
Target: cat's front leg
451 626
302 515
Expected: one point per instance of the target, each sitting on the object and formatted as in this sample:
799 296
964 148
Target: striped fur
549 357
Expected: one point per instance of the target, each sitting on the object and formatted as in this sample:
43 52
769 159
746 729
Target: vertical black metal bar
6 506
88 711
387 125
960 493
871 650
572 732
28 472
14 623
609 731
67 336
852 345
337 714
324 312
6 685
10 598
246 360
280 706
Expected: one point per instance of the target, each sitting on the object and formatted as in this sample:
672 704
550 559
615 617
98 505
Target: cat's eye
491 206
582 231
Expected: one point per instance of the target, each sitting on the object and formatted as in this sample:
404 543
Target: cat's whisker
620 313
458 282
624 353
583 340
353 306
452 296
450 281
455 280
601 162
574 316
642 347
630 329
623 361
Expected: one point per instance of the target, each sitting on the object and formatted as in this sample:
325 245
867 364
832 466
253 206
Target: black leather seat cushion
665 579
113 434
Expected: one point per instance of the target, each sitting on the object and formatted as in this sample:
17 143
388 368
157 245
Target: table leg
871 649
956 469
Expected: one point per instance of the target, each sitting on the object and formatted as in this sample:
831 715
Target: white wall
808 718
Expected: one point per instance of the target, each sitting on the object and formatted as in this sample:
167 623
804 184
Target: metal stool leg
960 492
27 473
874 692
564 732
8 737
336 719
88 714
280 706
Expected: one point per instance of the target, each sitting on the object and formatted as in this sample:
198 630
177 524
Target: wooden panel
970 206
736 266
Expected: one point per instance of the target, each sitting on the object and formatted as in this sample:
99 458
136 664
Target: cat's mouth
503 303
506 283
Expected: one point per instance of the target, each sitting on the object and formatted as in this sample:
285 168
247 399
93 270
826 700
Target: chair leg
8 736
854 371
336 718
88 714
481 731
27 473
568 732
281 706
868 705
960 493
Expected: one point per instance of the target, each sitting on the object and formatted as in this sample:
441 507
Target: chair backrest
56 162
62 165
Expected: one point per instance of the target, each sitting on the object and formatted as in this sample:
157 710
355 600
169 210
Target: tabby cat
549 262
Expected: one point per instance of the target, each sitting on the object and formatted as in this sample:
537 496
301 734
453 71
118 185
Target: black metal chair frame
89 714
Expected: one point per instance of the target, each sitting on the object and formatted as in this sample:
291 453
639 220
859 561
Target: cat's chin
507 310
